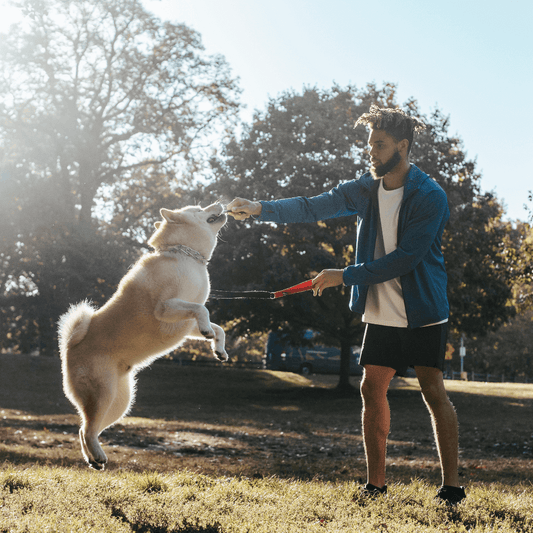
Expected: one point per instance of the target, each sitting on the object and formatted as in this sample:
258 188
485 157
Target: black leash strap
261 295
241 295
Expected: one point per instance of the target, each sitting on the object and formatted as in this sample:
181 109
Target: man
398 283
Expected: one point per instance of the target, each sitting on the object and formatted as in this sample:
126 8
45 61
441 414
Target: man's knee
437 401
376 380
432 385
434 396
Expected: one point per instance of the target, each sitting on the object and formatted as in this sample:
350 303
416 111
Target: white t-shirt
384 302
385 305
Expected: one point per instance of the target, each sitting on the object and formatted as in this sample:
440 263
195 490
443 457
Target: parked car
319 359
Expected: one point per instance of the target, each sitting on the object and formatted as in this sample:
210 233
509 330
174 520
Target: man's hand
241 209
327 278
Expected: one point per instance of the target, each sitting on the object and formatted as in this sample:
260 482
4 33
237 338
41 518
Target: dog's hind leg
122 401
109 403
94 407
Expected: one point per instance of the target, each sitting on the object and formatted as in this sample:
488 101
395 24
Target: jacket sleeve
340 201
425 225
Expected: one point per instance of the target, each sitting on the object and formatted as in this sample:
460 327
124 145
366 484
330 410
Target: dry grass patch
220 449
41 499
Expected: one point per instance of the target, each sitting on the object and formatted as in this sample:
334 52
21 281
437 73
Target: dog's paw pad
96 466
221 356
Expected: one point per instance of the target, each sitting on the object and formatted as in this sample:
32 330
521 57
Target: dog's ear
171 216
158 224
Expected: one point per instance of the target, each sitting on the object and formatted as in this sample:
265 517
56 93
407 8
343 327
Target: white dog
157 305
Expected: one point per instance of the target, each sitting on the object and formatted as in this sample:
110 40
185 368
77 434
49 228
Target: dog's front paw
221 356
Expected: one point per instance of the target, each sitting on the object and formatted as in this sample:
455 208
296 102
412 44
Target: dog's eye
212 218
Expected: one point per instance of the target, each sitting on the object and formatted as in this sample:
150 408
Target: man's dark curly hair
395 122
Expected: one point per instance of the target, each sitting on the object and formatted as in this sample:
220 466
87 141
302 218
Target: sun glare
8 16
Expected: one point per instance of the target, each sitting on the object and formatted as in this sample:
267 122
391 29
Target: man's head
391 137
395 122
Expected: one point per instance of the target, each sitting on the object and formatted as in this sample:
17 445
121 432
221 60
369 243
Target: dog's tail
73 326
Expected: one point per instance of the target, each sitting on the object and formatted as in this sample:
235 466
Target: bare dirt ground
223 422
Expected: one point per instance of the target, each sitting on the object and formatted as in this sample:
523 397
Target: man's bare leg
376 420
444 420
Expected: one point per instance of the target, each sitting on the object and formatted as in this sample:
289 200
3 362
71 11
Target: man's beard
389 165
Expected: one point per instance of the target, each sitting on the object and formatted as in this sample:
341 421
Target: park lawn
224 449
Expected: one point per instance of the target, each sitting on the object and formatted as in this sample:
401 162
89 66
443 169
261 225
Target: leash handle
301 287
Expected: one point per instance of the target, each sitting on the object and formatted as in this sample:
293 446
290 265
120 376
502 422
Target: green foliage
518 252
102 104
300 145
305 144
529 208
476 241
108 114
476 248
93 92
507 351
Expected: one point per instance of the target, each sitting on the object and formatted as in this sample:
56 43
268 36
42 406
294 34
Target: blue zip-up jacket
418 259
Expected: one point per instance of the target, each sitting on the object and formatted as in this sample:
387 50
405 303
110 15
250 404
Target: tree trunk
87 194
344 376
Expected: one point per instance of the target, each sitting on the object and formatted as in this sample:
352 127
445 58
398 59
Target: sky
472 59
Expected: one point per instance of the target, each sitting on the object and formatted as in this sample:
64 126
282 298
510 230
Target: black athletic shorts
400 348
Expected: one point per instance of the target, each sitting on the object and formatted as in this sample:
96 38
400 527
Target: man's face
384 153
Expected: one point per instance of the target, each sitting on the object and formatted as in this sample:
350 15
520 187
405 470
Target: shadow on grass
30 458
225 421
145 526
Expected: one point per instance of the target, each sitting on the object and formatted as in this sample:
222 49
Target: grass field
224 450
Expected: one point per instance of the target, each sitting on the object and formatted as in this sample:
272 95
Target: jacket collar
415 178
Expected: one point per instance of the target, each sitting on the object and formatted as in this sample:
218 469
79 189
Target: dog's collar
185 250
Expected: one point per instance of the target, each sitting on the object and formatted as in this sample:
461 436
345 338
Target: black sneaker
371 491
451 495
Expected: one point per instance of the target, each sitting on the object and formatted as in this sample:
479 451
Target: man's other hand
327 278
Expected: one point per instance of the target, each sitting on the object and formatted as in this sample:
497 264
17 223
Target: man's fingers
326 279
240 208
239 215
238 212
317 290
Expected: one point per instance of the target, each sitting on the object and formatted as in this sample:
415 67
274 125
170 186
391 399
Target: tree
505 352
304 145
519 255
301 145
94 96
94 91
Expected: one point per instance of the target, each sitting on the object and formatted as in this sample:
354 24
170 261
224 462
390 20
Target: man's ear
403 146
171 216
